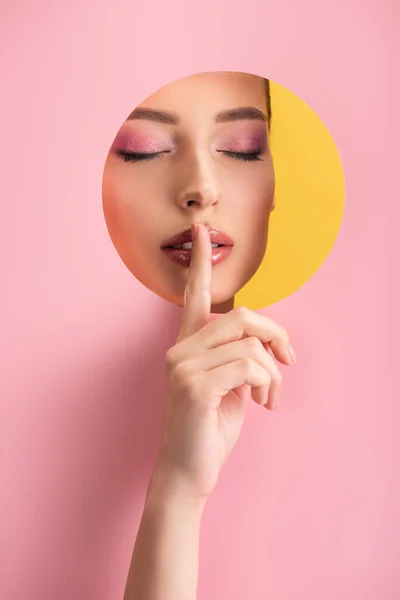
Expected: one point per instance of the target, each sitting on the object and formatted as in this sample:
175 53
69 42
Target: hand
212 371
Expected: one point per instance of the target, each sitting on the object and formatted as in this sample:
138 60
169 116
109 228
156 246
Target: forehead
209 93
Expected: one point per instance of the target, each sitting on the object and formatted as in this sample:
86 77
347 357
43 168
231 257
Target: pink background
307 505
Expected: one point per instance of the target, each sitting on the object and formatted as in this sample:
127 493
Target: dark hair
268 98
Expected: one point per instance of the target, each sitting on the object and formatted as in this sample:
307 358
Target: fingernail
195 230
292 354
275 402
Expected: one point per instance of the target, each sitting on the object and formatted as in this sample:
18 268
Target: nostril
200 198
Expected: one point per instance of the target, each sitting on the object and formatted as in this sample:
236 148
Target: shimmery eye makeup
138 147
245 143
140 143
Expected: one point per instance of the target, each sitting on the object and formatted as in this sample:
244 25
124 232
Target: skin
199 175
212 371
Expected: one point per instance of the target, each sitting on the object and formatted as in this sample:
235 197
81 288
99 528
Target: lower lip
182 257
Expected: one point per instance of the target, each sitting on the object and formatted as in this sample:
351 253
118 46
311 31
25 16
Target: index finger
197 298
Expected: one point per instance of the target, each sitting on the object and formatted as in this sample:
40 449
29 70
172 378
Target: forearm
166 555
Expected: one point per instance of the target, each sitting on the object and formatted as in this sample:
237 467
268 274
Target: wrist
168 489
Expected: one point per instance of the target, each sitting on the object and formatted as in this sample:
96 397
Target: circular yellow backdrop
309 197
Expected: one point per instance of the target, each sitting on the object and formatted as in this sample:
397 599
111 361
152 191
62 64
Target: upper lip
217 237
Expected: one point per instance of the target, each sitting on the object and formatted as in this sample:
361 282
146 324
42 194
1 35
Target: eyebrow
149 114
235 114
239 114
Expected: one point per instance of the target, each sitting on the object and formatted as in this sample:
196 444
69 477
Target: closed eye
145 156
244 156
140 156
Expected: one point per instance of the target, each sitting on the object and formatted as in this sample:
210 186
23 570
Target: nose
200 188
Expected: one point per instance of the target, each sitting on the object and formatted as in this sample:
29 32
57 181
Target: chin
222 296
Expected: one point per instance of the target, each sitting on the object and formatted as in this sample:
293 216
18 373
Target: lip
183 256
216 237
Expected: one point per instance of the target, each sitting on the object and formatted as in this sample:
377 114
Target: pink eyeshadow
243 137
138 142
246 142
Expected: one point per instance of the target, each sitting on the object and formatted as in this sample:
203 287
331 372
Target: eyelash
244 156
138 156
141 157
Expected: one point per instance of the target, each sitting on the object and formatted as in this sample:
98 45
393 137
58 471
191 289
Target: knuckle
182 377
247 364
252 341
254 344
184 381
241 316
267 378
242 313
170 357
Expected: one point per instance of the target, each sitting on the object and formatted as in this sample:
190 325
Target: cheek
127 210
253 201
251 198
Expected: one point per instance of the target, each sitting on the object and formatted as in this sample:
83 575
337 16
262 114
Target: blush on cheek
138 142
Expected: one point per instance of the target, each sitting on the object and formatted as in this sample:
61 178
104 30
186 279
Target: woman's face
197 150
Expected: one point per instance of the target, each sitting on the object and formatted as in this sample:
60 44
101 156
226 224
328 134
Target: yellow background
309 197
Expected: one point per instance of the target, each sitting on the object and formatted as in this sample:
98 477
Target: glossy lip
216 237
183 257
